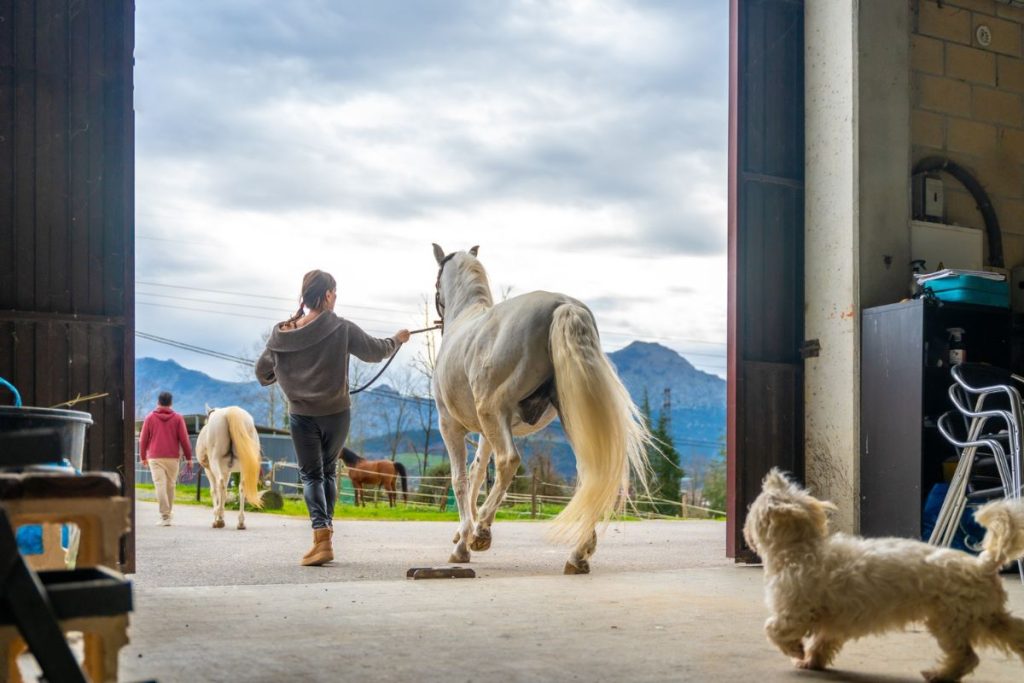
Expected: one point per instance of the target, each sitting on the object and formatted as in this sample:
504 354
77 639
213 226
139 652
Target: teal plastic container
970 289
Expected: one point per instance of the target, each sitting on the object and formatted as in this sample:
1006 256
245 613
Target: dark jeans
318 442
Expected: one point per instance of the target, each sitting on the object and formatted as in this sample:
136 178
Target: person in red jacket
163 434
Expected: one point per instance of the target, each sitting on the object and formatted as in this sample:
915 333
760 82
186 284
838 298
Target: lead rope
383 369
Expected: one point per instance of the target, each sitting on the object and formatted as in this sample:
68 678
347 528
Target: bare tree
542 464
358 374
396 419
422 390
269 403
424 414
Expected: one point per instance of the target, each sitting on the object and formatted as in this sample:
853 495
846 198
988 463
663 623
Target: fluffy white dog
824 589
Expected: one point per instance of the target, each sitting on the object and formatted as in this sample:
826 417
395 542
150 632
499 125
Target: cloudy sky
581 144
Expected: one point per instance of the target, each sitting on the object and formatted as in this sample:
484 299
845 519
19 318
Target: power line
206 310
612 332
216 291
250 363
687 354
280 310
196 349
391 395
290 300
211 301
375 330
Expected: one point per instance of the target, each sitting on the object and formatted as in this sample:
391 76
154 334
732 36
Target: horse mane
350 457
471 285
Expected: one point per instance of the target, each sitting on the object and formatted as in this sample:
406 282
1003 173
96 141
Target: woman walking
308 356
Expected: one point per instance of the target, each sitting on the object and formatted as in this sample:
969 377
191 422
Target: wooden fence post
533 496
444 498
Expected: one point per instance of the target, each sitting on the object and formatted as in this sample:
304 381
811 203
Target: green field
296 507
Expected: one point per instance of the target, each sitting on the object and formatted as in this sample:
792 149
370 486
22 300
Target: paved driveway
662 605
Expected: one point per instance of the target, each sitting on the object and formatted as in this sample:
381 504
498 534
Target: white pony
228 443
508 370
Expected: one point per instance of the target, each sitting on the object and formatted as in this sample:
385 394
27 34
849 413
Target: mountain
697 417
192 390
654 367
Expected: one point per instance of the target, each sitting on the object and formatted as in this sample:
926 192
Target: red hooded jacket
162 433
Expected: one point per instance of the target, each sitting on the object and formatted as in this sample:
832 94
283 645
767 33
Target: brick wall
967 105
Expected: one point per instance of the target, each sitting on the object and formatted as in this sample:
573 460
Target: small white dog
824 589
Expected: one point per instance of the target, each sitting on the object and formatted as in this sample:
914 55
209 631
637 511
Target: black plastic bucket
68 425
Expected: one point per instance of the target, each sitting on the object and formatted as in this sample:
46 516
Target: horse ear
438 254
473 250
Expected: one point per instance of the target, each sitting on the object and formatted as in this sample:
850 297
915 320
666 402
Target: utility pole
666 406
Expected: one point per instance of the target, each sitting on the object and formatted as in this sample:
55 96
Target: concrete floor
662 605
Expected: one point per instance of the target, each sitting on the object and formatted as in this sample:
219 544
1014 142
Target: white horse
508 370
228 443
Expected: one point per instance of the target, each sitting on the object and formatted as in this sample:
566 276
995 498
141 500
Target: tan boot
322 551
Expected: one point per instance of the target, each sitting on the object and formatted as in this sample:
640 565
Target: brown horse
374 473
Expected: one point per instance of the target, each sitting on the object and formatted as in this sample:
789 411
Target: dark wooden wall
67 213
766 254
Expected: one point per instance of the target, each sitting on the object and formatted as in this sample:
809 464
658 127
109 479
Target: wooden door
67 215
766 262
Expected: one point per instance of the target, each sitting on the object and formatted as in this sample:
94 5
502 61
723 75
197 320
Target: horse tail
400 468
246 446
604 426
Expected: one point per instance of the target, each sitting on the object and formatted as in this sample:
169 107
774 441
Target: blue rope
17 396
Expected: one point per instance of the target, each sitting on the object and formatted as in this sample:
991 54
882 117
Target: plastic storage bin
970 289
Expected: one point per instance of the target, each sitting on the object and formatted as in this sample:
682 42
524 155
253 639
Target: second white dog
824 589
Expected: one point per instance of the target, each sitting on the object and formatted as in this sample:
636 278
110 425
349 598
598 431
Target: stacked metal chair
988 406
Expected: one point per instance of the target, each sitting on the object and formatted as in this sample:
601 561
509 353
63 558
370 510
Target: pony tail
298 314
315 286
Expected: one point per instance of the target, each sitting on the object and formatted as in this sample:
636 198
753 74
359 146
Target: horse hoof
582 568
457 558
241 526
218 524
481 540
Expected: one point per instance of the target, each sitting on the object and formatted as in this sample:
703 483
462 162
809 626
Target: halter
437 291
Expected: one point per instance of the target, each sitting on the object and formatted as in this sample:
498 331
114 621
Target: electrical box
946 246
929 199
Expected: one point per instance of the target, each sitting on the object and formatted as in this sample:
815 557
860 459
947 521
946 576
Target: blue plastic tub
971 289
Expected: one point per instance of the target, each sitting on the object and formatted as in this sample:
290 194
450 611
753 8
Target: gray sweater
311 362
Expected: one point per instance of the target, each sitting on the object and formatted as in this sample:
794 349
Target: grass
185 494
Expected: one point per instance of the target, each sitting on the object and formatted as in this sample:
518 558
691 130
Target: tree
667 471
358 374
541 464
714 491
434 485
664 459
397 417
425 408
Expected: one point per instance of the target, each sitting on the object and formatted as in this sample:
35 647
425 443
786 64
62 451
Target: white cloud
581 144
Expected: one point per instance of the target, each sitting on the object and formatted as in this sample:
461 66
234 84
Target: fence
436 493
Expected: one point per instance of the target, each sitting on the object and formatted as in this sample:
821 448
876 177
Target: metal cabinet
904 384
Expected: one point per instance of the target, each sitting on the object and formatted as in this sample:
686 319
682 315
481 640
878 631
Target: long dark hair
315 285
